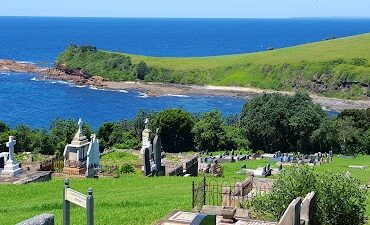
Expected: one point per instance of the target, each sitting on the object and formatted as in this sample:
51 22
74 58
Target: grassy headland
338 68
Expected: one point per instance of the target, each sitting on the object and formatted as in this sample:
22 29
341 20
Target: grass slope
339 67
131 199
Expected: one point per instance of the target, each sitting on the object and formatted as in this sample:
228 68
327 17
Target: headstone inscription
85 201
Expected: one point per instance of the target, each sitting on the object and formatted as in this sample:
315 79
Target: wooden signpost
85 201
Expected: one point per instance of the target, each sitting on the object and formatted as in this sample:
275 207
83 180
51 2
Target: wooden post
66 205
90 207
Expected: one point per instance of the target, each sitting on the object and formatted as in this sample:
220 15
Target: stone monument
81 154
11 167
93 157
157 149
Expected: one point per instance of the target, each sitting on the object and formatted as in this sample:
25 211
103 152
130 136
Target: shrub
127 168
341 199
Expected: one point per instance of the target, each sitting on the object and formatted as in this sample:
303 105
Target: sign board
75 197
85 201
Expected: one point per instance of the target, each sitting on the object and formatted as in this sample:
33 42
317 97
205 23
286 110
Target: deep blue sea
24 99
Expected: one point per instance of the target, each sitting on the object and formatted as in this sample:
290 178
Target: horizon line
139 17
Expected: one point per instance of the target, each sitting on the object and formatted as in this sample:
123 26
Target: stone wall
43 219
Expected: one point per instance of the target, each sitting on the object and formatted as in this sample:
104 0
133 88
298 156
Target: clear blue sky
187 8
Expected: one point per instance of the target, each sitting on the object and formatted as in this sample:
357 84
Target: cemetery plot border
224 193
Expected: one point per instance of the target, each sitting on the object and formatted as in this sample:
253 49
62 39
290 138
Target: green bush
127 168
341 199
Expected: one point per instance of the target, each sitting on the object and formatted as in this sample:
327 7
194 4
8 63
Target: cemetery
173 188
167 200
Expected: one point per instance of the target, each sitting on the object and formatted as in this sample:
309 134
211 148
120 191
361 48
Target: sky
187 8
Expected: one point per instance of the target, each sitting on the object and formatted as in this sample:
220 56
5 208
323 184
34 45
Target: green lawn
131 199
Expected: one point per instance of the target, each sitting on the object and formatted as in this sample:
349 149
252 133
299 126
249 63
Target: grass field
131 199
319 67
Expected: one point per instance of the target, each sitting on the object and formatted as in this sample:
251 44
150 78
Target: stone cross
80 122
11 144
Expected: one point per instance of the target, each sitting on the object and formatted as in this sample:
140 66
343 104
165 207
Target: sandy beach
159 89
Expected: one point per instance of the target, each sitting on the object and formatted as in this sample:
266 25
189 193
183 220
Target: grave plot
12 171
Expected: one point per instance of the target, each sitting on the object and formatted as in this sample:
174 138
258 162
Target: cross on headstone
10 144
80 122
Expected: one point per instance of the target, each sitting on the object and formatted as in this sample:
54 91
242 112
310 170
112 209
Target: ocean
25 99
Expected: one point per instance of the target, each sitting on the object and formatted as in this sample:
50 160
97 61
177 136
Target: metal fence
57 167
224 193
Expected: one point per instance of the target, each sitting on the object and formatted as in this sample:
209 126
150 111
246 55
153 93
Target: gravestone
157 148
147 167
43 219
75 153
11 167
203 219
291 215
93 157
308 209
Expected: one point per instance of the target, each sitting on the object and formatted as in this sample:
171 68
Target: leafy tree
176 126
141 70
23 135
41 143
208 131
233 139
275 122
104 131
3 127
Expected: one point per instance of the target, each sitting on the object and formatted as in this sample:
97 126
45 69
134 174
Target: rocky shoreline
159 89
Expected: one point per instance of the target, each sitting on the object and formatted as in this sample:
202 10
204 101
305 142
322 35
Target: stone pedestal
74 171
11 169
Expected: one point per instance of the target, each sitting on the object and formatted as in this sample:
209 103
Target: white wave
26 62
97 89
143 95
53 82
62 82
179 96
7 74
79 86
122 91
93 88
34 79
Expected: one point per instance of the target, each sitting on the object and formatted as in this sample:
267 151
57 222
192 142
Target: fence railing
224 193
57 167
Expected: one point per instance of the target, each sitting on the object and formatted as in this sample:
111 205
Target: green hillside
339 67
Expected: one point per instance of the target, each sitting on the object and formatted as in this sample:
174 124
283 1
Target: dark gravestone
202 219
147 168
157 151
2 162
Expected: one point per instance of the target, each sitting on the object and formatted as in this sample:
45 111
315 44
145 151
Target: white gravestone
93 155
11 167
146 139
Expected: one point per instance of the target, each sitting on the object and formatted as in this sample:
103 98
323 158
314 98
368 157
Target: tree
176 130
141 70
3 127
275 122
208 131
104 131
233 139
